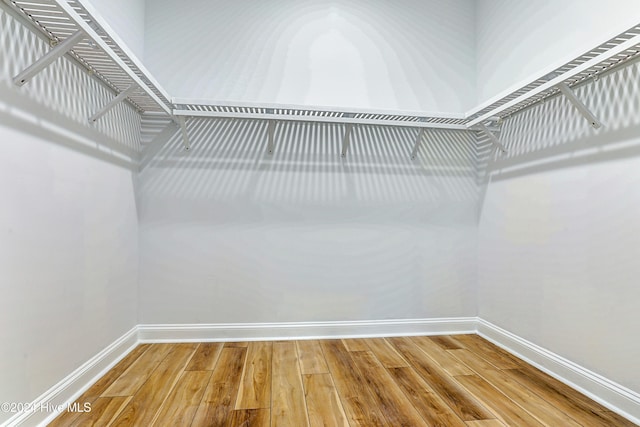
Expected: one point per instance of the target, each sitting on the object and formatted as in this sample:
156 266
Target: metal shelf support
346 140
185 135
50 57
579 105
494 139
271 129
115 101
416 146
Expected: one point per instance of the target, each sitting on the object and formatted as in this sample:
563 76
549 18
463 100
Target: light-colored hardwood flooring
451 381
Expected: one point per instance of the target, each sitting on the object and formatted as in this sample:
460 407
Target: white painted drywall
407 54
126 18
559 235
68 261
229 234
558 264
68 220
519 39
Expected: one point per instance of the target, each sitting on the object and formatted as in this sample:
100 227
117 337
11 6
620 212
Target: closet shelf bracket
416 145
346 140
271 128
59 50
492 137
115 101
579 105
185 135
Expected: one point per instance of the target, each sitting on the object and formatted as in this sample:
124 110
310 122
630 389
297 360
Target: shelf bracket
185 135
494 140
416 146
346 139
271 129
579 105
115 101
59 50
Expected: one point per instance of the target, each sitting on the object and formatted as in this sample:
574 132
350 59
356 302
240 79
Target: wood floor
449 381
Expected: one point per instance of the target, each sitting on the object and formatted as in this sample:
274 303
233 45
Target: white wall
228 234
558 264
408 54
68 221
126 18
68 261
559 235
518 39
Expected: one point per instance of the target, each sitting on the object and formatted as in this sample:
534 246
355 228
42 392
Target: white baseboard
304 330
604 391
76 383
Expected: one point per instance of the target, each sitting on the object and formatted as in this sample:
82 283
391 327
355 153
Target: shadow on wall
553 135
229 159
56 103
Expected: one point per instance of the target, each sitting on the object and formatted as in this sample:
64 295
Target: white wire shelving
203 108
591 64
106 56
99 50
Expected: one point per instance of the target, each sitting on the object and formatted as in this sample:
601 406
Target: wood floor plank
357 402
488 351
449 363
558 397
464 404
311 357
486 423
181 404
142 409
447 343
205 357
103 410
355 344
428 404
505 409
128 383
99 387
241 344
574 395
250 418
288 405
220 395
255 385
323 404
385 353
389 398
472 360
542 410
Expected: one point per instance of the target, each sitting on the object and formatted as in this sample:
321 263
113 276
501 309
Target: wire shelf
99 52
105 56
